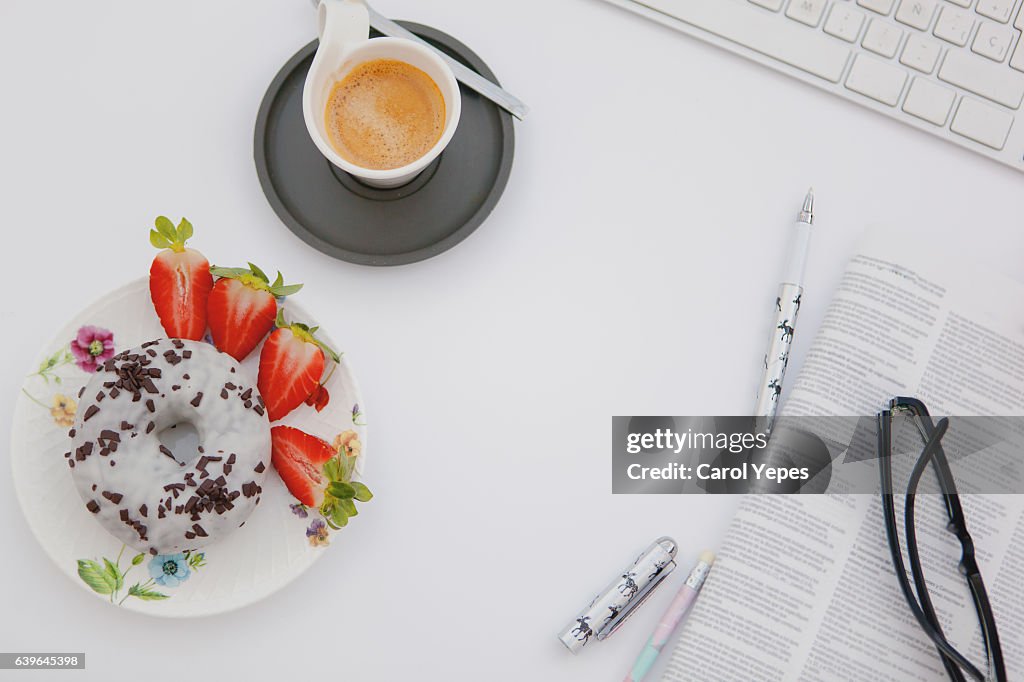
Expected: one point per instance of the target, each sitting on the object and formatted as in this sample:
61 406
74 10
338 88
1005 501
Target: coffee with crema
384 114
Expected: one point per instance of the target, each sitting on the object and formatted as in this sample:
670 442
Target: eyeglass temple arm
951 658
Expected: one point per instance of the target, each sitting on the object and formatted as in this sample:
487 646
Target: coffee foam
384 114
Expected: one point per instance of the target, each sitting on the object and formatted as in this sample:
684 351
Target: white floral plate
278 542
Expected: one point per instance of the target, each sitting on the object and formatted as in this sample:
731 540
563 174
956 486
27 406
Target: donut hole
182 439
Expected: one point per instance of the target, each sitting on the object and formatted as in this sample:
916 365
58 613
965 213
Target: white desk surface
627 270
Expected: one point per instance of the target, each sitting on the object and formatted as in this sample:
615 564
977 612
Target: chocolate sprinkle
144 510
198 399
260 468
90 413
150 406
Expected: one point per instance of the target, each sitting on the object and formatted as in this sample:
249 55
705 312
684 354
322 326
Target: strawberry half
179 281
243 307
291 366
299 459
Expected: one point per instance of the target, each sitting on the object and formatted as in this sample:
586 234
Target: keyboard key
815 53
806 11
880 6
954 26
876 79
773 5
1020 19
921 53
993 41
984 78
916 13
882 38
844 23
1017 62
982 123
929 101
995 9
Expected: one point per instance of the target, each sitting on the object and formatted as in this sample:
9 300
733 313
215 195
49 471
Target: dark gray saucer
338 215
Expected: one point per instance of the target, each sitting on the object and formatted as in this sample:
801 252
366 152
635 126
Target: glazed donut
152 499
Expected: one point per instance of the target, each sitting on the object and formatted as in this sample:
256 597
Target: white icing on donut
132 484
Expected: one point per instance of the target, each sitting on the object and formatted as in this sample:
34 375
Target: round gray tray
336 214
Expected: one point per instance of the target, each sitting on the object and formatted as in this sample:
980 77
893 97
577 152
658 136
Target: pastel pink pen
670 619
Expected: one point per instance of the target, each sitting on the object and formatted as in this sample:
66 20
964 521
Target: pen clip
615 623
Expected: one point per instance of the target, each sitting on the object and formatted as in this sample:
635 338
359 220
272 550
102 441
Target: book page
804 587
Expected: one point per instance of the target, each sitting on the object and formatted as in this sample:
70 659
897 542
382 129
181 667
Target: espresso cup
344 29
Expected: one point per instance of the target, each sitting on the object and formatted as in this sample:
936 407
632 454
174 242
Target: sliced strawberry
179 281
319 398
291 366
299 459
242 308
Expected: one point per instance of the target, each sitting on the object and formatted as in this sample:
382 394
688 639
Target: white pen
787 307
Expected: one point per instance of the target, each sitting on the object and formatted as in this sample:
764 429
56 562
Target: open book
804 588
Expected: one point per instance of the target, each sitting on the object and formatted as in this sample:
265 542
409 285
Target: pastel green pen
670 619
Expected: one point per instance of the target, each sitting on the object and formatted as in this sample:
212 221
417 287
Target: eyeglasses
920 602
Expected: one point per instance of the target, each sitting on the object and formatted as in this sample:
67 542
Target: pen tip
807 211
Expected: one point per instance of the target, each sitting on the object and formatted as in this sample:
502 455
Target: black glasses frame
920 602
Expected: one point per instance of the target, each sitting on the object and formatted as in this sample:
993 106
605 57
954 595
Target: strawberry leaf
341 490
332 469
228 273
165 227
282 291
184 230
259 273
339 517
158 240
363 493
349 506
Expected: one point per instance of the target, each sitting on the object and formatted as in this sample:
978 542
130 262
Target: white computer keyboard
953 68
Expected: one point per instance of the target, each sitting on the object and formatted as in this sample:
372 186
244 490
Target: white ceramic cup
344 29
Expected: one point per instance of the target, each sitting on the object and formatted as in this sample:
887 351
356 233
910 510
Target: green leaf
93 575
363 493
158 240
349 506
286 290
145 593
197 560
138 559
114 573
259 273
231 273
332 469
165 227
339 517
348 467
184 230
341 490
